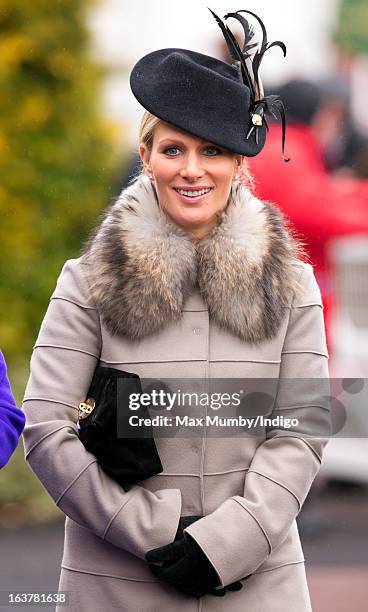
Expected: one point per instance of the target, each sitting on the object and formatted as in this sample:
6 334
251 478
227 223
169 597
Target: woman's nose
192 167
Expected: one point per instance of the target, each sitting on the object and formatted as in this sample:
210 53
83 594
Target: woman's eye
212 151
171 151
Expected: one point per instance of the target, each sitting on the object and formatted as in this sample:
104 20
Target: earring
149 174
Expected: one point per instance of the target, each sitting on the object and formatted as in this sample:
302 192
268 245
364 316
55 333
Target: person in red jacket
319 206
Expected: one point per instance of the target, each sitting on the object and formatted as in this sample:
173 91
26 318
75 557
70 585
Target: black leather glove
184 566
184 522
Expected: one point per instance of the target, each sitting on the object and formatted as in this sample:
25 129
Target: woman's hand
184 566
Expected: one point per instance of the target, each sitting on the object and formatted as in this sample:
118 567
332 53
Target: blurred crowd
323 190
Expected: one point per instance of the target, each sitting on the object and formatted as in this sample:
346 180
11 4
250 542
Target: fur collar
143 266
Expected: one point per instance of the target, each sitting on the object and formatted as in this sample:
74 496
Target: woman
188 276
11 418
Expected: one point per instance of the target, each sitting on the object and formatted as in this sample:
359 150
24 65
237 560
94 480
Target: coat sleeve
11 418
63 361
244 530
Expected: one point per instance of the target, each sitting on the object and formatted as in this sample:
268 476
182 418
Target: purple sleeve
12 419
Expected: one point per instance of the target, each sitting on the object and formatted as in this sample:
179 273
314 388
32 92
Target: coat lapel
143 266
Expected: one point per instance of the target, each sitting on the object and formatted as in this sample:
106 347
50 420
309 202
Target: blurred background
68 144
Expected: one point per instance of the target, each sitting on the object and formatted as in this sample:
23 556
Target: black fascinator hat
219 102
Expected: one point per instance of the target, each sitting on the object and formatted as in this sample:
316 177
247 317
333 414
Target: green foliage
352 30
58 160
56 156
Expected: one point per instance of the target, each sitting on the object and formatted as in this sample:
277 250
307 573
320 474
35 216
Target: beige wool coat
146 298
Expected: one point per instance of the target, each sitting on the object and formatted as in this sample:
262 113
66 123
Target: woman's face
192 177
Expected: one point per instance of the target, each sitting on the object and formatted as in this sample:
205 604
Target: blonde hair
147 127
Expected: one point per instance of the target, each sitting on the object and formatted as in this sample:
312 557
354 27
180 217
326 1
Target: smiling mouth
193 193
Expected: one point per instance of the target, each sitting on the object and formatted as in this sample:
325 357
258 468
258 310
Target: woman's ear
238 165
145 157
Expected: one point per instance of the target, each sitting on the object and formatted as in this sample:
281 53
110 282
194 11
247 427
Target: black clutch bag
126 459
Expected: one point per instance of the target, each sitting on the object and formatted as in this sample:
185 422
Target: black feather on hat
218 102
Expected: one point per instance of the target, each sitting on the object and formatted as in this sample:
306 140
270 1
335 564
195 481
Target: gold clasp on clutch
85 408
